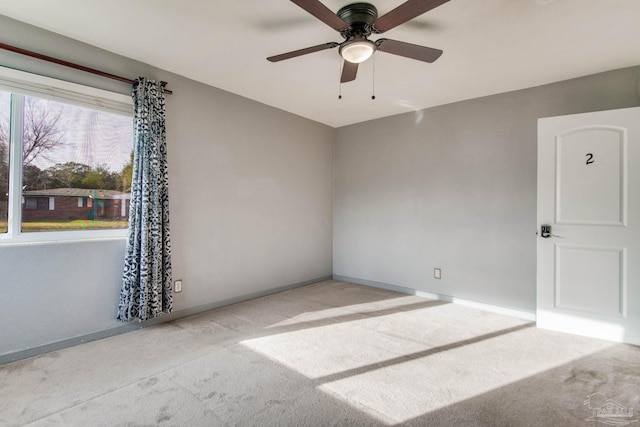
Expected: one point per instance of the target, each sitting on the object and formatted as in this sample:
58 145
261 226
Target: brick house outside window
68 204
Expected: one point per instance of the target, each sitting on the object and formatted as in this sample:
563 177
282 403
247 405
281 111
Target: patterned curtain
146 281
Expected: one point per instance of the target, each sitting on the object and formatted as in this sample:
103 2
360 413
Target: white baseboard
513 312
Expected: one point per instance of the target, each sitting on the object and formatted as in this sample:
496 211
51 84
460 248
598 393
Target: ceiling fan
355 23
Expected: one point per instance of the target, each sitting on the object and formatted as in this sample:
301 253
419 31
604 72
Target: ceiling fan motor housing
360 17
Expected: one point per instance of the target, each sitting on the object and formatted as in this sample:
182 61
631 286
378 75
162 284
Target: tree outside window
68 153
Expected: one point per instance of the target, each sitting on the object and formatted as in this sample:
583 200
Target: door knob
545 232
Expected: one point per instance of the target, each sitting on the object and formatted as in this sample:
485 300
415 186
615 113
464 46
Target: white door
589 193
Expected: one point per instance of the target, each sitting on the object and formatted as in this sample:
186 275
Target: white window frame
21 83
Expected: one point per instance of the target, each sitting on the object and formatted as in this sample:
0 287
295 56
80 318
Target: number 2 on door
590 158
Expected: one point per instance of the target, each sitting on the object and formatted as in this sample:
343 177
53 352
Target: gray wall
252 195
251 199
454 187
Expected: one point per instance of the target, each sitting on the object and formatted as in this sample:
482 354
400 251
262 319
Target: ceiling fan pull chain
373 86
339 73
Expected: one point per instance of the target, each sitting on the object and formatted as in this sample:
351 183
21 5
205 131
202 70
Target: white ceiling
490 46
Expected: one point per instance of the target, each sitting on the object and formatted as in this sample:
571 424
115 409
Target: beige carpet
329 354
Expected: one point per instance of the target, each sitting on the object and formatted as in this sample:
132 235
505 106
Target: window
59 147
5 108
31 203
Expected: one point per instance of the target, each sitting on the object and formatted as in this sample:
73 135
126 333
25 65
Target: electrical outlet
437 273
177 286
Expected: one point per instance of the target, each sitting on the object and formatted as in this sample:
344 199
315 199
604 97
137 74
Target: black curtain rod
74 66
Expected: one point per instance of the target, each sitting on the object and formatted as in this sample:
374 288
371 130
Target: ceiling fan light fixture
357 51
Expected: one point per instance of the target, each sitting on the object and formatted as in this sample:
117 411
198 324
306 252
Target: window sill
48 237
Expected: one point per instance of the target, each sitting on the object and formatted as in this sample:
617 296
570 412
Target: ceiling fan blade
301 52
349 71
408 50
323 13
403 13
